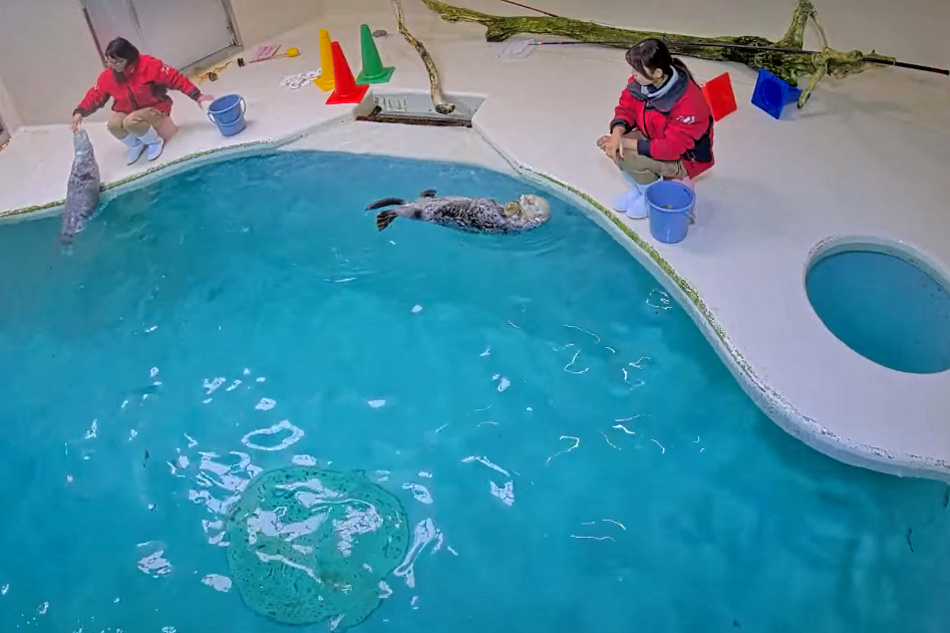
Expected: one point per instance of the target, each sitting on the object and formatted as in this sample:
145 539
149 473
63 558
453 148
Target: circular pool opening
883 306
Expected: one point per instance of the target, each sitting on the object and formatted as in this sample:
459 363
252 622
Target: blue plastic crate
772 93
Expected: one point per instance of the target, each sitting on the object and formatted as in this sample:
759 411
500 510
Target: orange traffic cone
346 90
325 80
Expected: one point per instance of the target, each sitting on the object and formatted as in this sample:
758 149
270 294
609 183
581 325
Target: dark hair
121 48
650 54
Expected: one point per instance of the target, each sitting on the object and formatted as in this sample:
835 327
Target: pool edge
771 402
778 409
175 166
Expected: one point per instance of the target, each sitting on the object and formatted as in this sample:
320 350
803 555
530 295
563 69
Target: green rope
789 66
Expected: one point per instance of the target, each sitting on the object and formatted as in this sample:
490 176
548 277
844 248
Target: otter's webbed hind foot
385 202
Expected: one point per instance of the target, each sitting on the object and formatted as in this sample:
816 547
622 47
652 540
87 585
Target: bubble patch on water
577 443
283 427
266 404
221 479
311 545
218 582
422 535
210 386
419 492
304 460
153 562
506 493
486 462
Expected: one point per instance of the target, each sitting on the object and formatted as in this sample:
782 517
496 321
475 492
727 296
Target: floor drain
415 108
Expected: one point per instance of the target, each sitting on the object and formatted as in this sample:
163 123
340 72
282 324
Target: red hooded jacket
677 124
144 84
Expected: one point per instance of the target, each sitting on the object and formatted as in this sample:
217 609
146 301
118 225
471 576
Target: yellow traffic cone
325 81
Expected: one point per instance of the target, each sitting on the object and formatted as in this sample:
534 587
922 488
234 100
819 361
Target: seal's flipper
385 202
428 193
385 218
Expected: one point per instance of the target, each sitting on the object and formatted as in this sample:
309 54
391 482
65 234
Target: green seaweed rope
435 85
790 66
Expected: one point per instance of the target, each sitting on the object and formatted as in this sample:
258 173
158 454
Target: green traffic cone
373 70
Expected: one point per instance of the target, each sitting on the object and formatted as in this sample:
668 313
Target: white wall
8 113
259 20
47 58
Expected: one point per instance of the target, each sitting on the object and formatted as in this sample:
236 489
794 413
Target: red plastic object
719 95
346 90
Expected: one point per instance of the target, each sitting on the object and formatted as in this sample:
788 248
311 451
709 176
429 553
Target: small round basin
884 306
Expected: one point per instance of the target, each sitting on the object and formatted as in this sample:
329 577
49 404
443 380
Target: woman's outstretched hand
203 99
612 146
77 121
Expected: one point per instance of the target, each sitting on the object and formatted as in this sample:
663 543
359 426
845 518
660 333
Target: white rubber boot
153 144
136 147
630 198
640 208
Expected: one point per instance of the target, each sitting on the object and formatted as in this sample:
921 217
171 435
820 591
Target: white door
182 32
110 19
179 32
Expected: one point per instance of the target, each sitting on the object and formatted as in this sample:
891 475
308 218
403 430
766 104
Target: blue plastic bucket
227 113
671 208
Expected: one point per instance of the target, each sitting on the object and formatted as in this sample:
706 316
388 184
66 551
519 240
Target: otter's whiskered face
535 207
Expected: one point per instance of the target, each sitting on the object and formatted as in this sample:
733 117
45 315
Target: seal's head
81 142
534 207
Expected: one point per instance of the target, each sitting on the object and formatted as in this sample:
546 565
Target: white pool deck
866 159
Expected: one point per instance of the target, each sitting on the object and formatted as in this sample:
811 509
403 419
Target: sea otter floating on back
472 215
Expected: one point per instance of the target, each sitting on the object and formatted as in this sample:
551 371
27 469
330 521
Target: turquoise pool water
883 307
569 453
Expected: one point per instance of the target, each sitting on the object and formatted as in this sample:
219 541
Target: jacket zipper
135 105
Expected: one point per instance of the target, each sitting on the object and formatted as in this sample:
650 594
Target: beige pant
137 123
646 170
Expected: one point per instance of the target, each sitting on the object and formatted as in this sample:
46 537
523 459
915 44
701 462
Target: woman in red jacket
662 127
139 85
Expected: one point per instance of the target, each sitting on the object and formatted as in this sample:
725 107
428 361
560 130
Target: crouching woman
138 85
662 127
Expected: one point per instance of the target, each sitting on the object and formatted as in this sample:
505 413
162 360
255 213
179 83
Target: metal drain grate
415 108
378 115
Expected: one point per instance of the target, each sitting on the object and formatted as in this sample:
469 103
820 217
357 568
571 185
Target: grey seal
472 215
82 191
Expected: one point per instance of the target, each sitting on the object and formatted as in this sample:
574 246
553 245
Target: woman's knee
643 176
116 125
634 168
130 122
